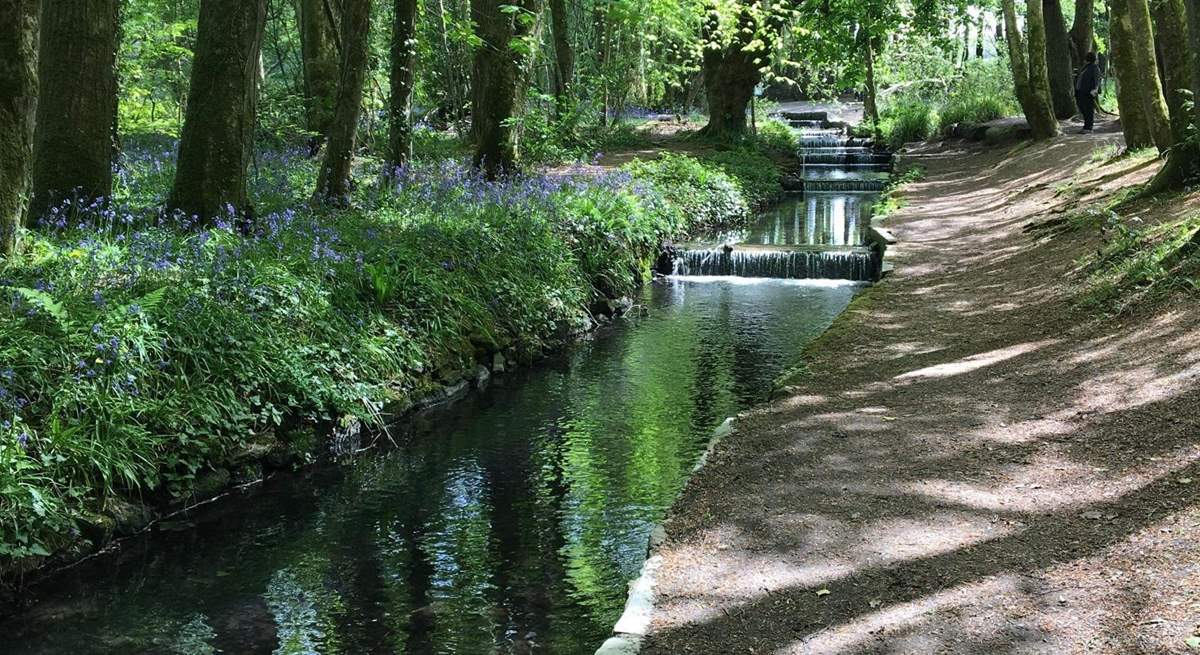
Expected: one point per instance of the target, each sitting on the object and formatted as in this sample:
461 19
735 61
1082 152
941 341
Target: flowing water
818 234
509 522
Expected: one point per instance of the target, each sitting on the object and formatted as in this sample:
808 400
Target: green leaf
47 304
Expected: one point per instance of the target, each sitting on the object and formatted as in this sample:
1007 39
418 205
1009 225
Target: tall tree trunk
1046 125
497 84
564 58
319 55
1129 100
74 144
730 75
333 182
1082 32
1029 68
980 30
217 140
600 21
404 59
871 100
1058 60
1142 68
1183 161
1170 33
18 107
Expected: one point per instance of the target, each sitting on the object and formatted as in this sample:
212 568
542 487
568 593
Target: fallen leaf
1193 642
823 592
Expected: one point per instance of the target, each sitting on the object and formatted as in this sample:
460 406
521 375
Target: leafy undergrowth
1141 260
138 351
892 200
1146 249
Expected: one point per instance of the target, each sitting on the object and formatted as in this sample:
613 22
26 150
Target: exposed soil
975 464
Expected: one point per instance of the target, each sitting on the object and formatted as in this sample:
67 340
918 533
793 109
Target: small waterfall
859 264
846 186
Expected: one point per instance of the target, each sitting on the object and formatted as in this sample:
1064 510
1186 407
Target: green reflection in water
509 523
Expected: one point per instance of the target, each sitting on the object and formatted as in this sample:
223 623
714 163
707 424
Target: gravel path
973 465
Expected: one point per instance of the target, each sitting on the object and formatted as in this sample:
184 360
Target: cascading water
857 264
820 235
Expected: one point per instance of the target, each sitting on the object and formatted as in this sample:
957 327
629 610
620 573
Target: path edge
631 629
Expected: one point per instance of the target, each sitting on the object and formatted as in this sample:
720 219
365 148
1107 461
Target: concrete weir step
805 115
809 141
863 158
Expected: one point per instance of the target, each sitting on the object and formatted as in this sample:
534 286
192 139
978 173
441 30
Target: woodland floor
975 464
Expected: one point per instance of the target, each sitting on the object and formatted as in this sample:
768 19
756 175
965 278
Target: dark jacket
1088 80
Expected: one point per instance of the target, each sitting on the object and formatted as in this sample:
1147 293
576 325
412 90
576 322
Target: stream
508 522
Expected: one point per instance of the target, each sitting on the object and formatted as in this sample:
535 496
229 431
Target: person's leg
1089 111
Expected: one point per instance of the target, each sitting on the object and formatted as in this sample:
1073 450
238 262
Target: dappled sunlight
987 466
1133 387
974 362
929 626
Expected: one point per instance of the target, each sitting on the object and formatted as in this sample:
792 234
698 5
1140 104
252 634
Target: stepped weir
819 232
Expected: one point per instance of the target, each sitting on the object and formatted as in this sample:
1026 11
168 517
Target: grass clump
891 200
907 121
1139 262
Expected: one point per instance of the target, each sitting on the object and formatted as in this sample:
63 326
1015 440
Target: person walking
1087 88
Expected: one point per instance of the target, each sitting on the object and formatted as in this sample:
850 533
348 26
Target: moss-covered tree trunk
333 182
18 107
319 55
496 83
1082 32
564 57
403 62
1183 161
1140 67
1045 124
1058 60
1170 33
1029 68
1192 8
1129 102
74 144
216 143
730 75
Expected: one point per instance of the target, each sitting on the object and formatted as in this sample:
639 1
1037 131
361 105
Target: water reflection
509 523
828 219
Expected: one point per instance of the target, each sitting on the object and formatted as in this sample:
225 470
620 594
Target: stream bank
973 462
506 522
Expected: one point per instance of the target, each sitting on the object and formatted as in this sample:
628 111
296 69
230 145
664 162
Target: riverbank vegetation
144 351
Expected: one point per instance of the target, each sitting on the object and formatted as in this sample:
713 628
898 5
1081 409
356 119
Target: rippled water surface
507 523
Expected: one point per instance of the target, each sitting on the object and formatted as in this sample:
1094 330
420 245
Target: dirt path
973 466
